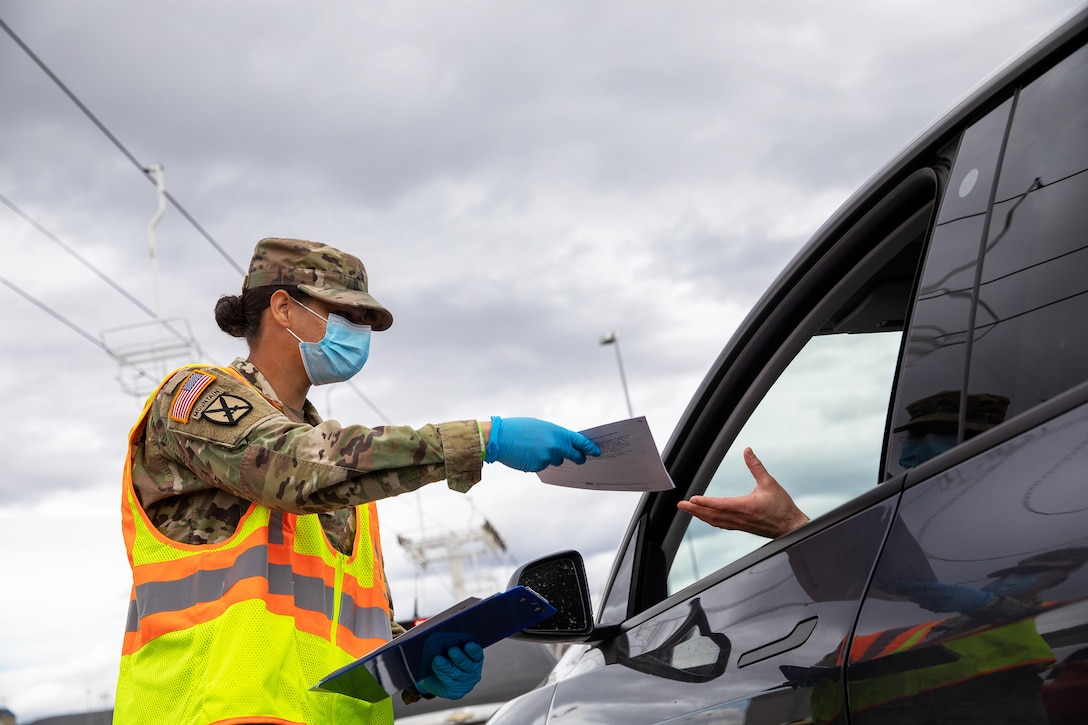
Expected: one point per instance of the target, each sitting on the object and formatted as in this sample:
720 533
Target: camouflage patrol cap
319 270
984 410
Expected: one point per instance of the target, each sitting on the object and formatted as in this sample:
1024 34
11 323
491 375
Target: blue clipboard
405 660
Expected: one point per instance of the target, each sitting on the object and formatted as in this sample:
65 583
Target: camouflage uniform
196 471
196 479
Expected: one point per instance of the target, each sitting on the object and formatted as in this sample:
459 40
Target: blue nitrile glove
938 597
528 444
454 674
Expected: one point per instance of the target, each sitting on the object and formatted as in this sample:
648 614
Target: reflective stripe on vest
240 629
155 603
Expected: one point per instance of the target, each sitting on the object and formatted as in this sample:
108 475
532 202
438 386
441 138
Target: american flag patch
187 394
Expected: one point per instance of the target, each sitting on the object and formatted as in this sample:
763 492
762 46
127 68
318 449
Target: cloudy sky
520 178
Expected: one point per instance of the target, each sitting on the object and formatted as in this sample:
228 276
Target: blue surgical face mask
918 450
339 355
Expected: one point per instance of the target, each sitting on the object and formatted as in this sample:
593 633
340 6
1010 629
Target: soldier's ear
279 307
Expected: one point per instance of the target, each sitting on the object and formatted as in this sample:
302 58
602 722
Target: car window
818 430
816 409
1028 341
1004 329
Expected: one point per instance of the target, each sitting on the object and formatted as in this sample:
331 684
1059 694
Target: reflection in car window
1023 305
1049 135
1028 342
936 349
818 430
935 352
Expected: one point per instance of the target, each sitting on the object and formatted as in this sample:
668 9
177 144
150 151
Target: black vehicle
951 291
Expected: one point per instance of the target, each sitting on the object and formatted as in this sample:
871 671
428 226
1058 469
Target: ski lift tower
147 351
462 551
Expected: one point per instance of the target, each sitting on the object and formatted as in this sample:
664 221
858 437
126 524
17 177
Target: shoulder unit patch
227 410
186 396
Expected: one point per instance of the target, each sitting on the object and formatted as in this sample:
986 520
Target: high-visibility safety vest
238 631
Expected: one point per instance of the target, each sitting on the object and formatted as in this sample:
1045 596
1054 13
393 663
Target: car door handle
800 634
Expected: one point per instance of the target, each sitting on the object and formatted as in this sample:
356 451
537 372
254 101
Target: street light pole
611 339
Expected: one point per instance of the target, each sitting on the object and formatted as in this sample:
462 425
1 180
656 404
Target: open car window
819 431
816 412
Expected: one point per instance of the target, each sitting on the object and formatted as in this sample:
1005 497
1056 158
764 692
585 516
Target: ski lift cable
144 169
147 173
381 416
68 323
75 255
99 273
351 384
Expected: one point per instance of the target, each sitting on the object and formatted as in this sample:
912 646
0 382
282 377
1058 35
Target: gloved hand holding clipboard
407 659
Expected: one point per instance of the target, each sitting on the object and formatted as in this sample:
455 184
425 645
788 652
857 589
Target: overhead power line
144 169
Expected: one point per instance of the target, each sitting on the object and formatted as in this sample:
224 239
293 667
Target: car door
1000 632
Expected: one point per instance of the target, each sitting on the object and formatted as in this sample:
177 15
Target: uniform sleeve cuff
462 453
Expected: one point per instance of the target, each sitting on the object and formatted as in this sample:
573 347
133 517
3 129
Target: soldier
250 523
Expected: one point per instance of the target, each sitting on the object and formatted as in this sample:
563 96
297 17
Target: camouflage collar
255 378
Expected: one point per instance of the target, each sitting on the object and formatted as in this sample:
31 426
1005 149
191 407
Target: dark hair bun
230 315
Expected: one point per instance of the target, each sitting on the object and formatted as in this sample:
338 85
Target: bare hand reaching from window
768 510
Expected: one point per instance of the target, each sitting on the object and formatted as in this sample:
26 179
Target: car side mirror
561 579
